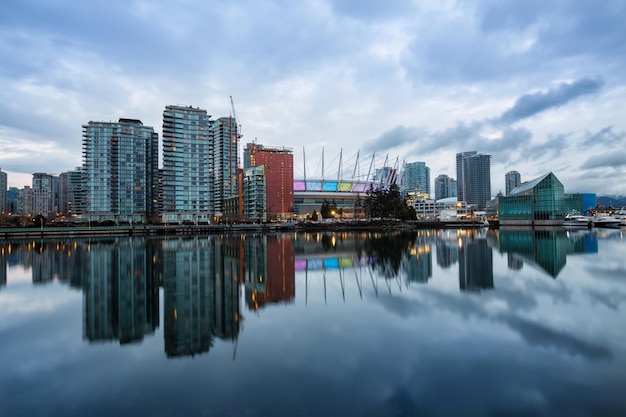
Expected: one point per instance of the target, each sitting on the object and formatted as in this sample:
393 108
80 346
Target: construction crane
234 116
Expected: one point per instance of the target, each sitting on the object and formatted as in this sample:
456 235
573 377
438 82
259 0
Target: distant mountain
613 201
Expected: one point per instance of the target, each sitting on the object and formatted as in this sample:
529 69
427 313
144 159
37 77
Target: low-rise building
540 202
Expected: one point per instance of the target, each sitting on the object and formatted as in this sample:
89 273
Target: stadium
344 184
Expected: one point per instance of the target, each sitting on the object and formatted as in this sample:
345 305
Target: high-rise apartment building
72 192
255 194
44 194
417 178
120 168
3 193
199 161
25 201
225 161
512 180
278 170
460 174
473 178
13 194
445 187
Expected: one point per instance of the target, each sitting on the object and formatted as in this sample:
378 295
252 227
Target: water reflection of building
189 287
514 263
419 263
270 270
4 260
447 248
121 299
47 260
43 263
545 249
475 265
227 277
201 280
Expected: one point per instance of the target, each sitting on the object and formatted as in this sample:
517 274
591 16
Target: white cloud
333 74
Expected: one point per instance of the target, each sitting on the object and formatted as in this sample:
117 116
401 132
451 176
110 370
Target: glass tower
120 168
417 177
3 193
473 178
512 180
445 187
187 161
225 161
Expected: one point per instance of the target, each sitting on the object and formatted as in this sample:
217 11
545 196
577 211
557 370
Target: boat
621 216
605 221
576 220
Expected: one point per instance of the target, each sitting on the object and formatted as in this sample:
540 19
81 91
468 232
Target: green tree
328 209
387 203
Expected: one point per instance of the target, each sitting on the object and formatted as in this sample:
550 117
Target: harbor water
487 323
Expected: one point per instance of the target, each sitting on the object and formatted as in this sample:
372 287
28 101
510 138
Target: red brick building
278 164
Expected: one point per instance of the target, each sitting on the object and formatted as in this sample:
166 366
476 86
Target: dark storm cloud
531 104
614 159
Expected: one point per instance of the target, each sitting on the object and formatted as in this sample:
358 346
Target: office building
3 193
445 187
277 166
473 178
120 168
417 178
512 179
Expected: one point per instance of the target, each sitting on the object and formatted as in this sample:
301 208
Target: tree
314 216
387 203
328 210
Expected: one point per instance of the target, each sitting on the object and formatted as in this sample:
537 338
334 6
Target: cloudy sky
539 85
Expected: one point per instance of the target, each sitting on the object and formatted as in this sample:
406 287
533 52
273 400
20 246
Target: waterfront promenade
207 229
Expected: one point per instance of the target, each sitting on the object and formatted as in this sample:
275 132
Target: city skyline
537 86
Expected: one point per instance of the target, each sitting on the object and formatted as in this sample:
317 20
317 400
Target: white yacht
605 221
576 220
621 216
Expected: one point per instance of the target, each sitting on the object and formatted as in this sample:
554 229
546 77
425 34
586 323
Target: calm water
436 323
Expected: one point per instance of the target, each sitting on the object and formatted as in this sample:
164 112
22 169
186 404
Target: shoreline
194 230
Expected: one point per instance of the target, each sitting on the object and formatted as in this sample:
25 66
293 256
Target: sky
539 85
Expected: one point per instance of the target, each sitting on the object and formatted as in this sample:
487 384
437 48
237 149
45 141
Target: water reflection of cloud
608 272
30 302
610 299
539 335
